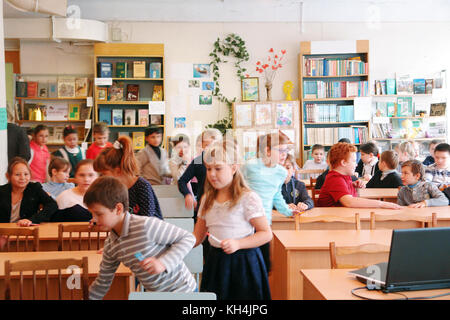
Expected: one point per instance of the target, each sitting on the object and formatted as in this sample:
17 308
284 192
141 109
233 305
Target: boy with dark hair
430 159
368 165
153 249
439 172
387 176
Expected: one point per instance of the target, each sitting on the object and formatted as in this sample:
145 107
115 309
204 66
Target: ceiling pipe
51 7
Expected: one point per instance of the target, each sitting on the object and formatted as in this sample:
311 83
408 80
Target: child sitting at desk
439 172
294 191
368 165
387 176
59 171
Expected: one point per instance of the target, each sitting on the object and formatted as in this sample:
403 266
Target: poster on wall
201 71
179 122
284 114
243 115
263 114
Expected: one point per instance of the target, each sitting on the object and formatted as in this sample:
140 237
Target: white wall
416 48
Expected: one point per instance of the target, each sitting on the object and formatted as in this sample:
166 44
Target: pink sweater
38 164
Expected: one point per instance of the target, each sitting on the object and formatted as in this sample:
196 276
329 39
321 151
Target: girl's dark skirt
238 276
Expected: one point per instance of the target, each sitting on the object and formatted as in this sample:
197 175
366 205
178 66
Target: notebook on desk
419 259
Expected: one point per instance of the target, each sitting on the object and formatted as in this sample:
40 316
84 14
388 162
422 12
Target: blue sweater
267 183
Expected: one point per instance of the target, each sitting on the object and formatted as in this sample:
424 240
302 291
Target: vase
269 91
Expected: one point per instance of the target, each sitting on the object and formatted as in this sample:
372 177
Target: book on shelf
390 87
132 92
121 69
27 109
334 89
335 67
380 109
21 89
57 111
329 136
58 134
105 69
104 115
52 89
43 89
377 87
381 130
130 117
32 89
157 93
405 85
156 119
66 88
143 117
117 117
138 69
74 111
85 112
428 86
123 133
102 94
438 109
81 87
138 140
383 86
155 70
329 113
419 86
115 92
437 129
404 107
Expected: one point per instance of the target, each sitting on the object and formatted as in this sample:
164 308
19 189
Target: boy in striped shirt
162 246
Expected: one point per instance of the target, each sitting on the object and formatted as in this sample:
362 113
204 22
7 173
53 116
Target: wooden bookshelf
308 50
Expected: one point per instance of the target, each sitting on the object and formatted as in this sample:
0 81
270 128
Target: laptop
419 259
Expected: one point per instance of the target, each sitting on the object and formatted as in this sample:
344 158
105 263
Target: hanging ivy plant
234 46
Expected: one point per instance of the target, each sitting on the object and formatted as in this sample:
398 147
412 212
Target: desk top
320 239
47 230
377 193
337 285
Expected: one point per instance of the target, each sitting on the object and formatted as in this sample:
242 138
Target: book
74 111
104 115
143 117
117 117
132 92
85 112
437 109
43 89
102 94
383 87
66 87
155 70
21 89
115 92
156 119
405 85
138 69
32 89
404 107
58 134
57 111
390 109
419 86
121 69
428 86
28 109
130 117
52 89
157 93
138 140
377 87
105 69
81 87
390 86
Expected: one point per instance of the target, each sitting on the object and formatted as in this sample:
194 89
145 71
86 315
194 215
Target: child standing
368 165
235 218
439 172
119 161
294 191
70 202
40 157
416 192
21 200
153 160
58 170
71 150
181 156
387 176
100 132
318 162
162 246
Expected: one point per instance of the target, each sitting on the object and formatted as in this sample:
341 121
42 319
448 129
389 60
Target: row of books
329 113
404 85
62 88
381 130
335 89
335 67
402 108
329 136
128 117
57 111
116 92
137 69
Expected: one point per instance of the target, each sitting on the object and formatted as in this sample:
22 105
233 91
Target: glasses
286 150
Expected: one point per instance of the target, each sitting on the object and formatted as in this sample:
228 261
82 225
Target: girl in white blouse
233 216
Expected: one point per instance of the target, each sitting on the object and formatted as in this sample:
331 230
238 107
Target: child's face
220 174
432 147
206 142
41 137
408 177
101 139
442 159
182 149
318 155
105 218
277 154
154 139
20 176
290 169
71 140
60 176
349 165
366 157
85 176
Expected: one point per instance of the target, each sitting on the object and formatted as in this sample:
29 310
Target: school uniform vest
73 158
38 163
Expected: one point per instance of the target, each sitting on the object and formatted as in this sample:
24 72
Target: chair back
84 231
366 254
21 234
299 219
431 220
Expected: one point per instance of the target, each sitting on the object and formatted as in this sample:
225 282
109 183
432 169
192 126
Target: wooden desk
385 194
281 222
119 290
320 284
309 249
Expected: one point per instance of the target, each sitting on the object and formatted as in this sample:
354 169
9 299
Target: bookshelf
128 79
55 100
331 75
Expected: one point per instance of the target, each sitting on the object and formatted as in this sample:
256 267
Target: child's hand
24 223
367 177
390 205
292 206
230 246
189 202
153 265
421 204
359 184
302 206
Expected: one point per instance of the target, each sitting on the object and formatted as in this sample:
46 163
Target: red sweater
336 186
94 150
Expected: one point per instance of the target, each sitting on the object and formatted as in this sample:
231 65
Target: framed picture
250 89
263 114
437 109
242 115
284 114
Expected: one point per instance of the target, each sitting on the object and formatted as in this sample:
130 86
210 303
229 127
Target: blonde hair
223 151
212 133
407 147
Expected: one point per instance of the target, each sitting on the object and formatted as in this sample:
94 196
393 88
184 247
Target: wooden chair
326 218
431 220
368 248
314 193
20 233
308 172
79 228
46 265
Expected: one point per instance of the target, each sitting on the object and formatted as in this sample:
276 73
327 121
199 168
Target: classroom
224 150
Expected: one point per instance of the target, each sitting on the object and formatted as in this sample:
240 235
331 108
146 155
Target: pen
212 237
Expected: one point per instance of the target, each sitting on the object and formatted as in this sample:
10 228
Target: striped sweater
152 237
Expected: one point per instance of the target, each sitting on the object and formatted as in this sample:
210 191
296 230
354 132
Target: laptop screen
419 258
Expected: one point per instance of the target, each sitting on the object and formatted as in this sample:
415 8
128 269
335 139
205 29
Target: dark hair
435 141
69 130
100 127
345 140
416 167
317 147
83 163
152 129
390 157
107 191
39 128
179 138
442 147
58 164
15 161
369 148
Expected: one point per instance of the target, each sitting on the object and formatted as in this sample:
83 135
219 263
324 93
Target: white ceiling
255 10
